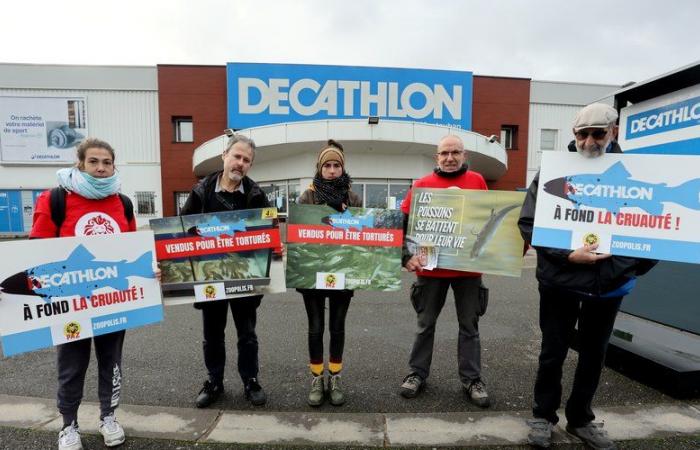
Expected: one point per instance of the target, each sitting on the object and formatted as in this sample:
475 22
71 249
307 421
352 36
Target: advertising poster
215 256
645 206
54 291
359 248
470 230
39 130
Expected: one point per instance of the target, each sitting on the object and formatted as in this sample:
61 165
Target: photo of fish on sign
359 248
216 256
471 230
54 291
644 206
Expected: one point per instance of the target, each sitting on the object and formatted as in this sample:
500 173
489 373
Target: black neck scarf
454 174
332 191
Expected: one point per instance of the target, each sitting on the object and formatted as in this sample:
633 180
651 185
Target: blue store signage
264 94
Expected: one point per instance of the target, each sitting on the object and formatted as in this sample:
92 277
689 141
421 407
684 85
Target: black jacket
554 268
255 197
195 204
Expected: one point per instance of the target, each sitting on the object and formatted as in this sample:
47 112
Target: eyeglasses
598 133
453 153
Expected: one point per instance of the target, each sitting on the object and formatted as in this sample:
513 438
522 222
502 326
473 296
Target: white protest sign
633 205
54 291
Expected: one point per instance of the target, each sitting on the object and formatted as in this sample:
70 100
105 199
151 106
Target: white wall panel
553 117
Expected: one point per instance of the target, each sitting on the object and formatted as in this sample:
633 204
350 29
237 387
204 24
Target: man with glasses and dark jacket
227 190
577 286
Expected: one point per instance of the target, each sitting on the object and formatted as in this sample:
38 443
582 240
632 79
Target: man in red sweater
429 292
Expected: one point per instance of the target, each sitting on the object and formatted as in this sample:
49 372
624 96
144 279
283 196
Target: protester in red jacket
92 206
429 292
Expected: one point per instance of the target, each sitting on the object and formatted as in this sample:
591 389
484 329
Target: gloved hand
338 206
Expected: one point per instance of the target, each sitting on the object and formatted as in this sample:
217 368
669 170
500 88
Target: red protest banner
196 245
324 234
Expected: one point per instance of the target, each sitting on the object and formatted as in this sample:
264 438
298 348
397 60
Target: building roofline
106 66
578 83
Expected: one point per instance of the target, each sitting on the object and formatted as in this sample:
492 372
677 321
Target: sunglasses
596 134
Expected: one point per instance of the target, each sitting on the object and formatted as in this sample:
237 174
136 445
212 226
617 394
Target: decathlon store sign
264 94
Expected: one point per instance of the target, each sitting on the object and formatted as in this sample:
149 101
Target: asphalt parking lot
163 363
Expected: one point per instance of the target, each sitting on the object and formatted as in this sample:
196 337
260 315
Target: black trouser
338 303
73 360
559 312
214 317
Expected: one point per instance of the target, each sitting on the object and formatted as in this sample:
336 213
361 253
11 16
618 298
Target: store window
397 192
359 189
294 192
376 195
548 139
180 199
276 193
183 130
146 203
509 136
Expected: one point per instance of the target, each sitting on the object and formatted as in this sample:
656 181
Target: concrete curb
366 430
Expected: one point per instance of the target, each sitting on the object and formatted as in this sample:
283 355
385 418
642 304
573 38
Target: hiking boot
209 393
477 394
593 435
336 392
540 434
412 385
254 392
111 431
69 438
316 394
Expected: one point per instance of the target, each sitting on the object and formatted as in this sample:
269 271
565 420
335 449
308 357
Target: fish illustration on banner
469 230
59 290
484 236
217 228
346 220
615 189
357 249
638 205
79 274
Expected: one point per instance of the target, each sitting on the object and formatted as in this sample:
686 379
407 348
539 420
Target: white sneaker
112 432
69 438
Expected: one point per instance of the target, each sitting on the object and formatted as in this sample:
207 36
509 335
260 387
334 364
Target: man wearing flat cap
577 286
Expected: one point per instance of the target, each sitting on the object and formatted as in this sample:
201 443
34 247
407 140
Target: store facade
389 121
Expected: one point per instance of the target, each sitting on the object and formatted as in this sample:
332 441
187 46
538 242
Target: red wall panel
191 91
504 101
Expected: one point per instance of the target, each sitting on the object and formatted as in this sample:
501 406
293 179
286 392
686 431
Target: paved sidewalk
481 429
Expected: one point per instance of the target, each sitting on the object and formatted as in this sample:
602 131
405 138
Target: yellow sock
316 369
335 367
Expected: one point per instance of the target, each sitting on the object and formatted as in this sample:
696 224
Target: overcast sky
608 42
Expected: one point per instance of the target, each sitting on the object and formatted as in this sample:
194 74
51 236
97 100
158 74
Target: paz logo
210 291
269 213
590 239
330 280
71 330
